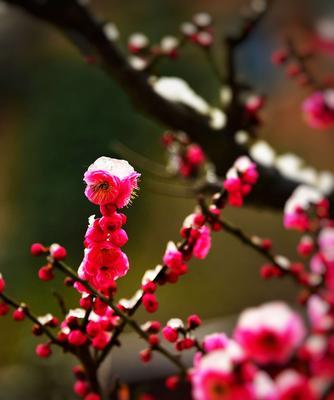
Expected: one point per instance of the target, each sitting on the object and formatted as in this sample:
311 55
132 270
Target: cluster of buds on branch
272 355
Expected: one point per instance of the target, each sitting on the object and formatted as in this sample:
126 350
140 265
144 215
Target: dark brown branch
80 26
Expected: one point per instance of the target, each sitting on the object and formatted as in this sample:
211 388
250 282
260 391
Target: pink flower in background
317 310
292 385
318 109
195 155
326 243
269 333
322 262
110 181
214 378
203 243
215 341
173 258
239 180
298 206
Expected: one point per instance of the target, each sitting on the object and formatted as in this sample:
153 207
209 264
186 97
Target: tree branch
80 26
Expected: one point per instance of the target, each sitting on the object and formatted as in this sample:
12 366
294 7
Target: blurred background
58 114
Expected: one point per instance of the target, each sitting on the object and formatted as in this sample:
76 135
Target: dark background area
58 114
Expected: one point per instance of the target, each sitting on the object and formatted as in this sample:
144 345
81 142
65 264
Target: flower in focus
103 263
110 181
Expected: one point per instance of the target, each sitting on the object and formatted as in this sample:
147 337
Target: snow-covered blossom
137 42
269 333
110 184
110 181
297 207
240 180
169 45
214 376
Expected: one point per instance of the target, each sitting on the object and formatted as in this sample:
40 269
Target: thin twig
61 302
141 161
304 69
32 317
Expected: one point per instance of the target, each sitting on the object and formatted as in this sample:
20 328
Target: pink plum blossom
214 377
203 243
317 310
318 110
269 333
103 263
293 385
215 341
110 181
297 207
239 180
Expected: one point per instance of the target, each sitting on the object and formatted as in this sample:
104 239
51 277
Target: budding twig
32 317
127 319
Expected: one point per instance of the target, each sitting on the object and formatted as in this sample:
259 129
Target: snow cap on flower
297 206
110 181
240 180
137 42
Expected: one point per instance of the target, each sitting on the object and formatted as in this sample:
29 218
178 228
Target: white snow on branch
177 90
291 166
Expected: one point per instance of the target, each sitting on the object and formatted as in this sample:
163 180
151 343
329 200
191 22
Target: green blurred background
59 114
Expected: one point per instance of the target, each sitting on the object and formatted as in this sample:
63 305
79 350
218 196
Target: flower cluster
271 355
184 158
240 180
318 109
304 207
110 184
199 30
143 53
293 63
270 333
196 243
253 365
